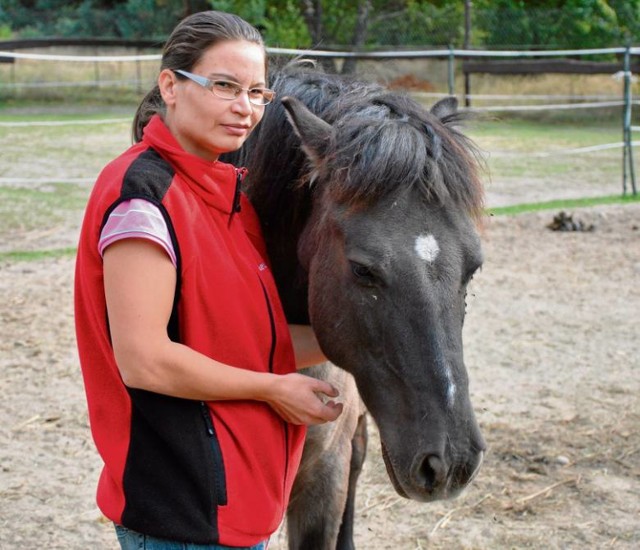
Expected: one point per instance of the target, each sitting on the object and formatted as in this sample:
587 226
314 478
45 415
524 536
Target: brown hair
184 48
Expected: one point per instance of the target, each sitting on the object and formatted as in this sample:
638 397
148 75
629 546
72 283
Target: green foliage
280 22
252 10
553 24
391 23
131 19
628 16
13 14
588 24
421 23
284 27
338 22
147 19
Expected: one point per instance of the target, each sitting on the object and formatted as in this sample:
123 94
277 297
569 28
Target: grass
39 112
34 211
526 156
563 204
513 134
37 255
28 209
74 83
514 210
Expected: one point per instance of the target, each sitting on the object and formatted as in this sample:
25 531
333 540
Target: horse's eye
363 274
469 275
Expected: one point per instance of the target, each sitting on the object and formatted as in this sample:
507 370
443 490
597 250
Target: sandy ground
552 352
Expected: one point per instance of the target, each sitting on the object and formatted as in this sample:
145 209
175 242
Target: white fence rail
452 54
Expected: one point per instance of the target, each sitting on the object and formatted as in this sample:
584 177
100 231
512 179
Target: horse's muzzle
432 477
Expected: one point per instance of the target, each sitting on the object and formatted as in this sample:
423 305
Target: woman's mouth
237 130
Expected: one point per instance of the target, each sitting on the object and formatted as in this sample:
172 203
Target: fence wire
425 74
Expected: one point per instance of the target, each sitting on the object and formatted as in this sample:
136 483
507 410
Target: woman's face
204 124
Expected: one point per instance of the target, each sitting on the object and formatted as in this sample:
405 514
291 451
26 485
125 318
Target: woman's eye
226 89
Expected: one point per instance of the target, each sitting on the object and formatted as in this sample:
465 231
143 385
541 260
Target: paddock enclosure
550 336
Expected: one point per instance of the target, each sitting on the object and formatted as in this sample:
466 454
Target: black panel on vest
165 496
148 176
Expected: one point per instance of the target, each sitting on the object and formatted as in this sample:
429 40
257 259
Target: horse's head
389 249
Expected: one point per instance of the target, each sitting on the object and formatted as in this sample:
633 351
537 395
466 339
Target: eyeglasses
230 90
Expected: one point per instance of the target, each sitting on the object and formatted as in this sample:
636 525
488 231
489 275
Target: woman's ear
167 83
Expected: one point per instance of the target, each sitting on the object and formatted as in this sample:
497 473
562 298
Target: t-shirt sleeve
137 218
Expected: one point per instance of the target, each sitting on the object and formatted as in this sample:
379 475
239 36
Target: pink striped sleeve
137 218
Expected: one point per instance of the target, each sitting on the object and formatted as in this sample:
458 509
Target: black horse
369 205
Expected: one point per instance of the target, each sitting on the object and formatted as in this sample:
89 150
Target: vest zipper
218 473
272 351
272 322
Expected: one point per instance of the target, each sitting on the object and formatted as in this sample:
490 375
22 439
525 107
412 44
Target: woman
187 359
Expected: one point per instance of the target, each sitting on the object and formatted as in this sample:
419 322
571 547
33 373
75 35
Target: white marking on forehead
449 384
451 391
427 247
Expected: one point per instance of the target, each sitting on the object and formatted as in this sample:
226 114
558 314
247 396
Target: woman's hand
299 399
140 283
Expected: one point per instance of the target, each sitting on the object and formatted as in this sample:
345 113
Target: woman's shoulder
139 172
121 164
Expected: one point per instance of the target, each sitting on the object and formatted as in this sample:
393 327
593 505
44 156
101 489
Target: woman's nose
241 104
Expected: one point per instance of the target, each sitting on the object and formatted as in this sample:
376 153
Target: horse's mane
384 141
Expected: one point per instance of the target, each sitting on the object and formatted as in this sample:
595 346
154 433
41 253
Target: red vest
217 472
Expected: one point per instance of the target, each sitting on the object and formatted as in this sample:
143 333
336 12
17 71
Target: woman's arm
305 346
139 281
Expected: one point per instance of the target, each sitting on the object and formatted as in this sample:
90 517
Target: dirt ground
552 353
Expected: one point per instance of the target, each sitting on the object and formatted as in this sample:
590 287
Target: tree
359 35
307 23
133 19
628 15
366 24
335 24
550 23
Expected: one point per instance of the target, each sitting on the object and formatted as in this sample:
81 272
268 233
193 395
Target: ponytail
151 104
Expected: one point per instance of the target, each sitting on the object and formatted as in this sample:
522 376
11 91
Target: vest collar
217 183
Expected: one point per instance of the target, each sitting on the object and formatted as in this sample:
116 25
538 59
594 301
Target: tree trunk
312 13
190 7
359 35
466 45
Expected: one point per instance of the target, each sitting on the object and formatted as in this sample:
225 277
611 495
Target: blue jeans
130 540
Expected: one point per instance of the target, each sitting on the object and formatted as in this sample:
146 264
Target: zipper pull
240 174
207 419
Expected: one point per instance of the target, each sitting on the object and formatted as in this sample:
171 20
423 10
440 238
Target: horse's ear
445 107
314 132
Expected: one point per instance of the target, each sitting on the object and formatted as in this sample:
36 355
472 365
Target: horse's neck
283 219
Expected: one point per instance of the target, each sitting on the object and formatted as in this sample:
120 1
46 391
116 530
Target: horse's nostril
431 473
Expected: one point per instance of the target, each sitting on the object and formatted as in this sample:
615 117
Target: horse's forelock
386 142
461 166
378 157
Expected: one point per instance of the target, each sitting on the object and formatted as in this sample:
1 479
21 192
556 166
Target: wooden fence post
452 68
627 155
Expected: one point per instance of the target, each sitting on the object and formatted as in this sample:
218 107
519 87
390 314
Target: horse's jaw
432 445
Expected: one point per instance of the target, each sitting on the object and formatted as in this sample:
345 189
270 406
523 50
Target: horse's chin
391 472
